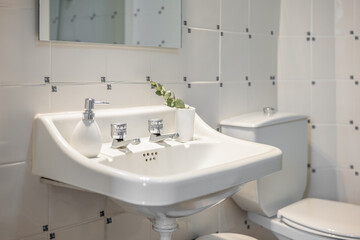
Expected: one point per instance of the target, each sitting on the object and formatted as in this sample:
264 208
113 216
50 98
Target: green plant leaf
158 93
170 102
167 95
179 103
153 84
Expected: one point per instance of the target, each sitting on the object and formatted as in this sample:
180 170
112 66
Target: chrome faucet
118 133
155 127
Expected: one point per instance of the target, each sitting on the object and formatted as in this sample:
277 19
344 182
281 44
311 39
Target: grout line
9 164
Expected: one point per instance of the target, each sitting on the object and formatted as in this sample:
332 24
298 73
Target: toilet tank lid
325 216
259 119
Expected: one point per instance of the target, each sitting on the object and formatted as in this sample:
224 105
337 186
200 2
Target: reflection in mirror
130 22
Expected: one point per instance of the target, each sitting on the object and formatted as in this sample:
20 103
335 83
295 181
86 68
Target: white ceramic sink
160 180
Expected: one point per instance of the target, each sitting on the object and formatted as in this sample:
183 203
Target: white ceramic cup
185 123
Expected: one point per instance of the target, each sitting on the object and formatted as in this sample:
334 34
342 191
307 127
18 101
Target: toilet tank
288 132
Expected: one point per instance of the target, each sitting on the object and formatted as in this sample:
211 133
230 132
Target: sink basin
160 180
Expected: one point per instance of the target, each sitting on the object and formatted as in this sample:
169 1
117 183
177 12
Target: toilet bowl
275 201
226 236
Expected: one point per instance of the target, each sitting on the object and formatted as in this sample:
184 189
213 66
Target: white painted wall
76 69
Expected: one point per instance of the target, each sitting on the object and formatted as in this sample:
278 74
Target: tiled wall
319 74
228 60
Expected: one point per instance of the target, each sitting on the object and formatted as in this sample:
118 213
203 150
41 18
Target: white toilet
274 201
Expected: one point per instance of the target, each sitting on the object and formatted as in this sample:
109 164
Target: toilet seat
323 217
226 236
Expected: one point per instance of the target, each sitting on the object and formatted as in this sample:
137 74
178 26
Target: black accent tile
45 228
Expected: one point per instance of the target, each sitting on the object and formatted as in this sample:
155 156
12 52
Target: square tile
233 99
347 186
72 97
294 96
76 63
128 226
127 64
263 57
204 222
19 105
167 65
205 98
323 102
323 146
294 58
89 231
68 206
235 55
357 16
356 103
323 17
24 202
323 58
261 94
345 101
344 55
231 216
195 15
201 55
235 15
323 184
264 16
295 17
348 152
344 17
23 60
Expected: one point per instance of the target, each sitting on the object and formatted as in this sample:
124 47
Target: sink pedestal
165 227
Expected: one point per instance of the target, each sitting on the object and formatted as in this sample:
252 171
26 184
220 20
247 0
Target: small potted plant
185 114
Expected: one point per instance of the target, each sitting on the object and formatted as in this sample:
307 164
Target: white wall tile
323 102
89 231
344 53
345 100
205 98
344 17
235 51
201 13
76 63
68 206
323 146
263 57
295 18
127 64
23 59
356 105
204 222
357 16
167 65
235 15
19 104
323 184
43 236
294 96
231 216
264 16
357 58
291 64
18 4
348 152
128 226
23 202
261 94
323 17
323 58
233 99
201 55
72 97
347 185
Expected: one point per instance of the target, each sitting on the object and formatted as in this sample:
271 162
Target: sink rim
151 186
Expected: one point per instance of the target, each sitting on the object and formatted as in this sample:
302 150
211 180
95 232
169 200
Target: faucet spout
160 138
118 143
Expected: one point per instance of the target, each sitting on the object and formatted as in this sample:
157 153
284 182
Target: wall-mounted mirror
151 23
